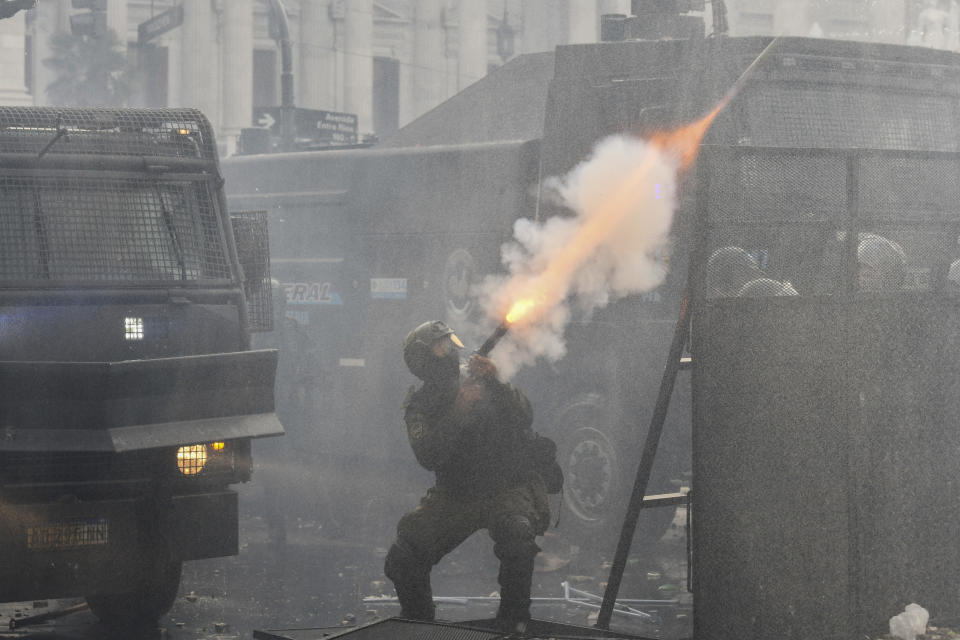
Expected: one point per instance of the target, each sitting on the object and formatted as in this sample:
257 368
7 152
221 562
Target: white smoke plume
614 244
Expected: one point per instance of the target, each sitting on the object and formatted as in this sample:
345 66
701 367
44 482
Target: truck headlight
191 459
229 460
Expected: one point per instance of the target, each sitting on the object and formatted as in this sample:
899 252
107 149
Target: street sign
266 121
316 125
160 23
331 126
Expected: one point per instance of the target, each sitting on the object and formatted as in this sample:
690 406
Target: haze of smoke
622 198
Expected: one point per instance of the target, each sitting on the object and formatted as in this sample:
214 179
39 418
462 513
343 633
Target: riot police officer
471 429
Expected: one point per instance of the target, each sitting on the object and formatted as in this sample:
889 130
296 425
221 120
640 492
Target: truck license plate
67 535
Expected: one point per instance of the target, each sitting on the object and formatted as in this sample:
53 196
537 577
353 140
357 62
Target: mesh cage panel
180 133
778 188
912 202
253 251
780 211
778 218
119 229
797 115
909 188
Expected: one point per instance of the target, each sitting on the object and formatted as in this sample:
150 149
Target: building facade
387 61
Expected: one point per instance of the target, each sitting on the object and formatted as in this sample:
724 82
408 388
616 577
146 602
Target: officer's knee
515 538
402 562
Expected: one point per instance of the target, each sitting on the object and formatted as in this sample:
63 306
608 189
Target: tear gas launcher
492 341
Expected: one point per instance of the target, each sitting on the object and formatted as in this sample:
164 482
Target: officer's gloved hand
481 368
470 392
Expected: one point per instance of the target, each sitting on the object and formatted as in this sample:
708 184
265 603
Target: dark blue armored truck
128 392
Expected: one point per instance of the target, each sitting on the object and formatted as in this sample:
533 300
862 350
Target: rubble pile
931 633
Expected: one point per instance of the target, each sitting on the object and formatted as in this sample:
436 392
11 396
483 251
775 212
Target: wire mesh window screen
773 218
913 205
804 116
253 251
178 133
775 187
909 188
645 103
80 229
778 223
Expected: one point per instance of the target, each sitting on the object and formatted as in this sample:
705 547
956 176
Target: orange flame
519 309
551 284
684 142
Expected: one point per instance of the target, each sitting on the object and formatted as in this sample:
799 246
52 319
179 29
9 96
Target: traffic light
93 21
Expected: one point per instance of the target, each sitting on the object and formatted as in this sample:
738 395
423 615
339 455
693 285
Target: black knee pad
515 538
514 527
402 563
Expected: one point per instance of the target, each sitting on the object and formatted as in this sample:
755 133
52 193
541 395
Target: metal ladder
638 498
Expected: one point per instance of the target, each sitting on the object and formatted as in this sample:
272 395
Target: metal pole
287 109
646 465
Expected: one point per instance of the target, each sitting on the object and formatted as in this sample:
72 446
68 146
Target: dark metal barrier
136 404
825 412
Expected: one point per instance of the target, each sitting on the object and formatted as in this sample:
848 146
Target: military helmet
954 274
766 287
728 269
418 346
883 263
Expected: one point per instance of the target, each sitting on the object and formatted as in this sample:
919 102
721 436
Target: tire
598 480
143 606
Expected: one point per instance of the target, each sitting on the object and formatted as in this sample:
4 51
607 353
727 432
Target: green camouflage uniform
483 481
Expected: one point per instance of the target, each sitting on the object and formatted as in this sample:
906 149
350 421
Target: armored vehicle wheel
598 480
143 606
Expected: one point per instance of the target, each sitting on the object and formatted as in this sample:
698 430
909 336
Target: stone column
614 6
426 89
13 90
174 44
198 59
538 26
317 77
582 22
791 18
358 62
51 17
472 34
887 21
117 21
237 48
